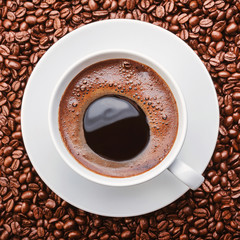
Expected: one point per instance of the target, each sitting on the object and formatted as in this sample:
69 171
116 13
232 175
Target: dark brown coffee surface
140 84
31 210
115 128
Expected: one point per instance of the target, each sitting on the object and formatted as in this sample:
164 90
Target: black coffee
118 145
115 128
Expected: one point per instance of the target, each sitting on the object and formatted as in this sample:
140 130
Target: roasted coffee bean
160 11
130 4
4 50
70 224
50 204
217 197
223 181
205 23
229 57
143 224
37 213
231 28
194 20
226 215
31 19
200 212
216 36
219 227
12 64
162 225
183 237
126 234
183 18
201 223
77 235
164 236
27 195
9 205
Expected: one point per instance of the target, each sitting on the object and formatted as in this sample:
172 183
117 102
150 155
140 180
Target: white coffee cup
181 170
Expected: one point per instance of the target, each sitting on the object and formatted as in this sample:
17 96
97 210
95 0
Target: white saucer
177 58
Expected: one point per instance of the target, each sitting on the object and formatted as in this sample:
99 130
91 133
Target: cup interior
54 125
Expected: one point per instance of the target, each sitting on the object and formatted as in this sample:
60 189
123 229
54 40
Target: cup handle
186 174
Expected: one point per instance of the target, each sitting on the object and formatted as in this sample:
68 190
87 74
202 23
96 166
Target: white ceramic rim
71 161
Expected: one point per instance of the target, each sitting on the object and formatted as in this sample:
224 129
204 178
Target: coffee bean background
30 210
